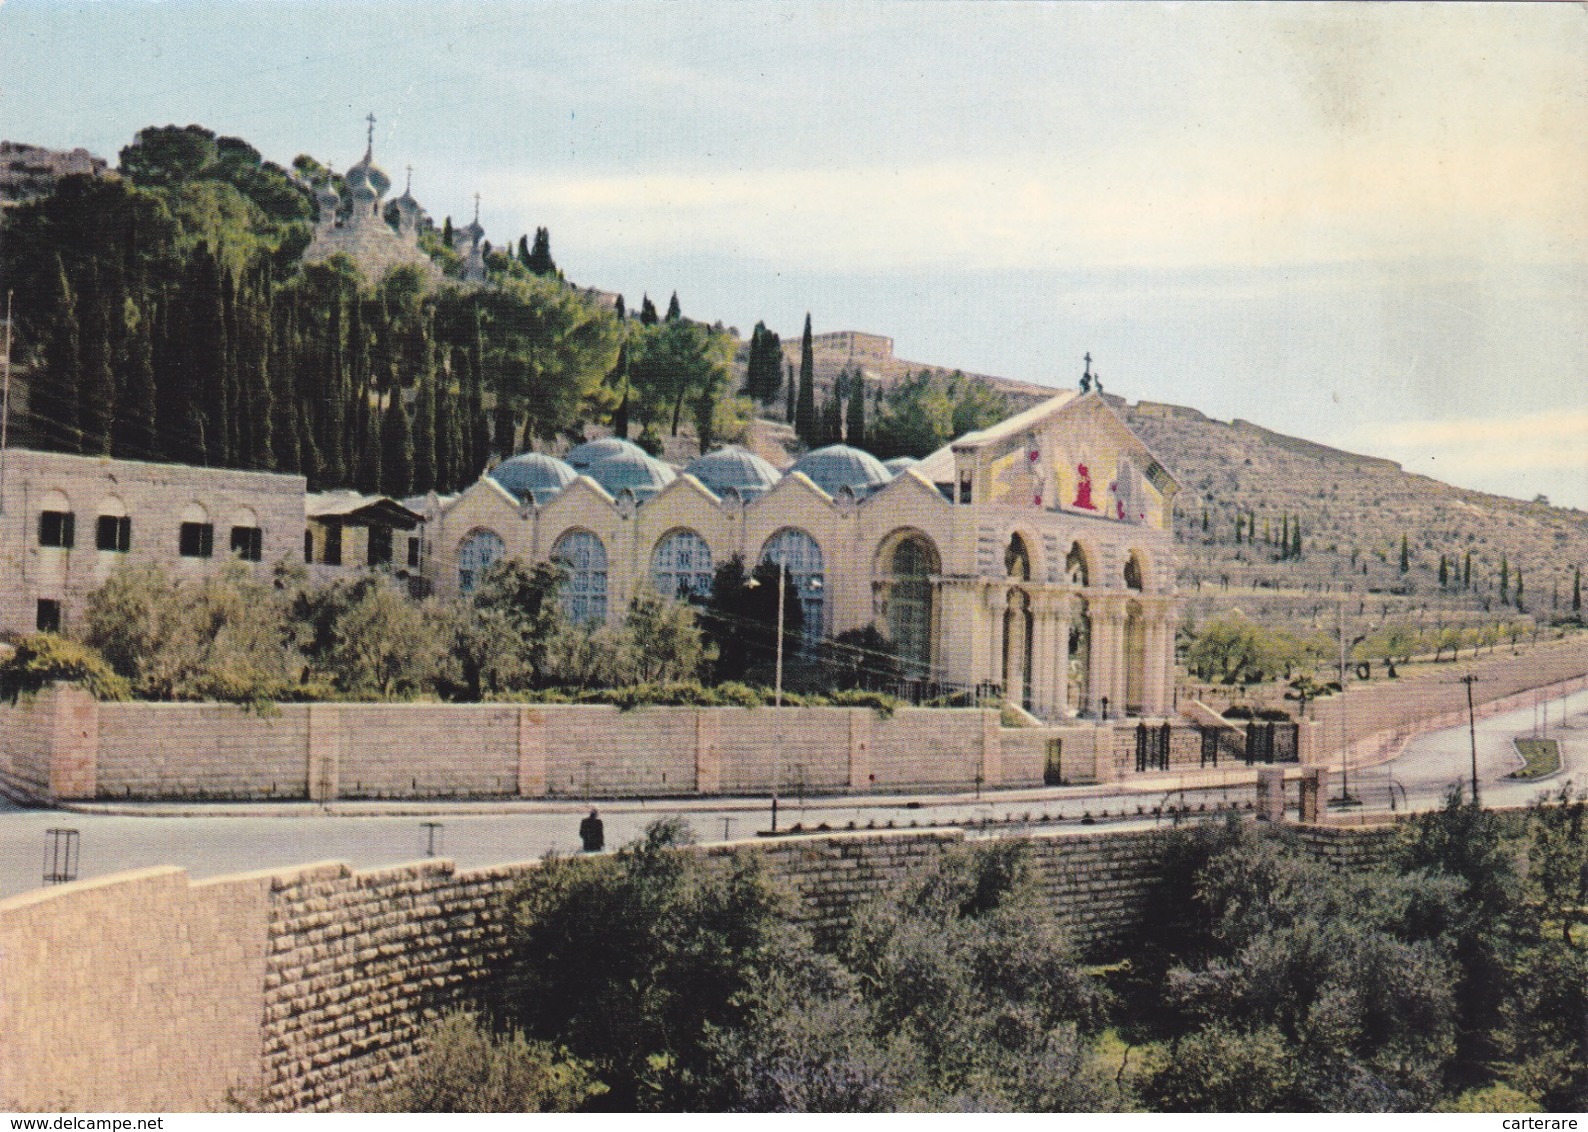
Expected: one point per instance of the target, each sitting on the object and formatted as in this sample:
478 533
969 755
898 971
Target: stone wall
294 989
61 745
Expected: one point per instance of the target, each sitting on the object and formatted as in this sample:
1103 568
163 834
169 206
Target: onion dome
592 450
533 476
839 466
899 463
732 468
641 474
325 196
366 179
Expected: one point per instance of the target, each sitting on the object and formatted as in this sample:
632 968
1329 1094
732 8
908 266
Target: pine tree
855 426
674 311
647 311
806 425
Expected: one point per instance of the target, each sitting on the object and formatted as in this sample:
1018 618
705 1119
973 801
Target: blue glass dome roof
736 468
533 476
899 463
642 474
592 450
839 466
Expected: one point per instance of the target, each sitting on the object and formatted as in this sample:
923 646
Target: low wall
61 745
146 991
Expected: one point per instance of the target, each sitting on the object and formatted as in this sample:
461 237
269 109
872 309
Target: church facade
1035 557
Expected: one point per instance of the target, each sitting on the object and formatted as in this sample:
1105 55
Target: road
215 845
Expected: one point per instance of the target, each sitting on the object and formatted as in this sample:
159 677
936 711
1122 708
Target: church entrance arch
909 560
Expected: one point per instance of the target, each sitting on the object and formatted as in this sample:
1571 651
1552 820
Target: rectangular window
57 528
248 543
380 546
333 545
196 540
114 533
49 616
413 551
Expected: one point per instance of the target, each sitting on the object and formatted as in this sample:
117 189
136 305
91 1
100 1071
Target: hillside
1353 511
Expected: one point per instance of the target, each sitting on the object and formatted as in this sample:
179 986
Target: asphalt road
215 845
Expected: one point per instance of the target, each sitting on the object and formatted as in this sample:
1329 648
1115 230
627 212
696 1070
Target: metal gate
1152 747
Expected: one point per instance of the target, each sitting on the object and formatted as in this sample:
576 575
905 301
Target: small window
380 546
196 540
49 616
248 543
308 546
114 533
57 528
413 551
333 545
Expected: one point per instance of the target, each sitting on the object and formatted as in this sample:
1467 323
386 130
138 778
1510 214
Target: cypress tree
523 250
424 459
1295 539
789 387
647 311
1519 585
1238 522
396 449
97 390
1576 589
54 402
1204 520
674 311
855 426
1444 575
620 310
332 439
832 420
137 399
1406 562
368 477
446 232
540 261
1505 580
1466 572
806 425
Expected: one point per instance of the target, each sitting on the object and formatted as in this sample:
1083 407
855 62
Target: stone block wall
427 751
293 990
202 751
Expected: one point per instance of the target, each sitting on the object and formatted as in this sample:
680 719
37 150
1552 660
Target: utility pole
5 406
1472 734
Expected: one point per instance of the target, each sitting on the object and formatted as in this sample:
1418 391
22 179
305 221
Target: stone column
1108 654
1154 686
995 598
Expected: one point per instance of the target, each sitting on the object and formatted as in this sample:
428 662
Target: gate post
1313 781
1271 795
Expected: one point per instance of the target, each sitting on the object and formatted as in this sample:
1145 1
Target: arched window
910 570
798 553
1075 570
1133 572
681 566
584 593
475 553
1017 559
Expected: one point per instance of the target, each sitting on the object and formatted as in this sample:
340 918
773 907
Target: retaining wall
288 990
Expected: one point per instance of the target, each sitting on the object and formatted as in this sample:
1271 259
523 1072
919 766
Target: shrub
41 659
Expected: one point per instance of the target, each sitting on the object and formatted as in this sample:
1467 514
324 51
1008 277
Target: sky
1362 224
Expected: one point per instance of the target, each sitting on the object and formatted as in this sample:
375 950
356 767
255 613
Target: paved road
210 846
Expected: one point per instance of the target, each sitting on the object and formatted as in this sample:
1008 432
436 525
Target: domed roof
592 450
366 178
642 474
326 197
736 468
533 476
899 463
839 466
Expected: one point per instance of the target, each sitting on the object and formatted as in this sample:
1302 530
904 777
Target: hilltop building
1035 557
378 236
